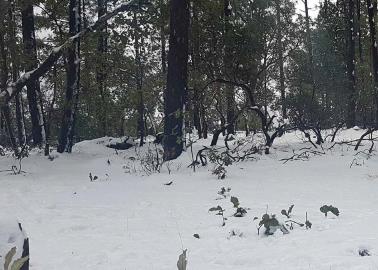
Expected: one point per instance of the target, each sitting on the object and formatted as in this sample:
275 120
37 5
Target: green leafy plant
271 225
240 211
220 212
220 172
224 191
287 212
329 208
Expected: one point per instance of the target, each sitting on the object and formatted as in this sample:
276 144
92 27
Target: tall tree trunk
372 11
177 79
21 133
31 62
350 29
359 22
102 45
162 39
281 59
230 95
196 72
5 110
139 81
310 51
73 81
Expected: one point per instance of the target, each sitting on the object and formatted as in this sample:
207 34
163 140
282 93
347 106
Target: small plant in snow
220 212
235 233
287 212
224 192
182 261
329 208
271 225
220 172
240 211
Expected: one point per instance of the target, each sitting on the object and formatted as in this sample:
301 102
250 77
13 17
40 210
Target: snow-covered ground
127 219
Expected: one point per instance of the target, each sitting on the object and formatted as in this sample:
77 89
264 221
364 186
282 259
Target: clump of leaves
271 225
223 192
287 212
234 233
220 212
220 172
364 252
93 177
235 201
240 212
329 208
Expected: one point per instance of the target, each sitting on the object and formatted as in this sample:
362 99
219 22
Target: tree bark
372 12
177 79
101 75
230 95
21 133
281 59
350 26
139 81
30 63
73 81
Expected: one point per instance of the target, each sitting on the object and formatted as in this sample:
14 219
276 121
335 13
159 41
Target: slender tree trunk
139 81
31 62
350 29
359 22
230 95
372 11
163 40
310 50
196 73
177 79
281 59
73 81
21 134
101 75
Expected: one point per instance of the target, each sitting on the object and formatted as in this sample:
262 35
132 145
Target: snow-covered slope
128 219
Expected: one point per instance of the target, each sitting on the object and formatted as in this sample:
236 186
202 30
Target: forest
143 112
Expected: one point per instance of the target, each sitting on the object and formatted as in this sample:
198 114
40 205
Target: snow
133 221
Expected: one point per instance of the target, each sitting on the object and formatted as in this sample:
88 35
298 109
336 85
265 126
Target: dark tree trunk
73 81
309 48
359 22
196 72
350 58
281 59
230 95
139 81
176 91
31 62
372 11
21 133
102 45
163 40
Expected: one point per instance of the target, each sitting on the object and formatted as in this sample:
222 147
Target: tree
30 63
176 90
351 68
73 81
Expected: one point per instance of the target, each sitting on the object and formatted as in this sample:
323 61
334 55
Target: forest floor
129 219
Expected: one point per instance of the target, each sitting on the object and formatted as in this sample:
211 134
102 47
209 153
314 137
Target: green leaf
9 257
235 201
19 263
